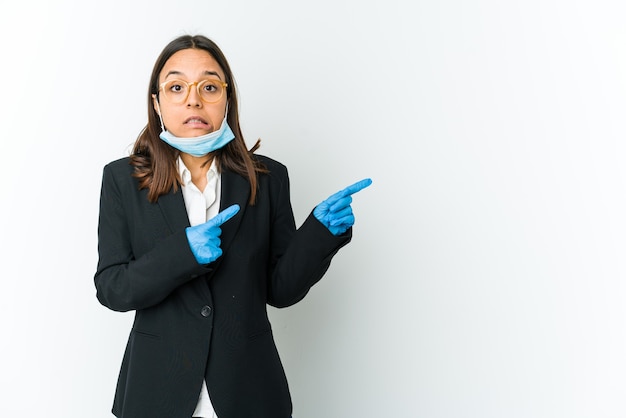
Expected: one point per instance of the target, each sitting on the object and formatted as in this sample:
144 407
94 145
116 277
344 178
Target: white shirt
201 206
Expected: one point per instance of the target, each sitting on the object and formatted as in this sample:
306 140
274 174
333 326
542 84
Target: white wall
486 274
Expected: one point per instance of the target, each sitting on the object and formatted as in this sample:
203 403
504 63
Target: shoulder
273 166
120 172
276 177
120 165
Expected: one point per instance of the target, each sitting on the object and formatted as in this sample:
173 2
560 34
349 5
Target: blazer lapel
173 208
235 190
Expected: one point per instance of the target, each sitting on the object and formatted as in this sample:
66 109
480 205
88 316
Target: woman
197 235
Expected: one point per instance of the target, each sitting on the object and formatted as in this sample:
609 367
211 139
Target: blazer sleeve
300 259
123 281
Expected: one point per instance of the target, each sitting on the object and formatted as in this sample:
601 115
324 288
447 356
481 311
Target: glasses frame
197 83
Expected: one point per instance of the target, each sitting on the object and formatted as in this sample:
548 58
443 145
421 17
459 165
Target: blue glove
204 239
335 213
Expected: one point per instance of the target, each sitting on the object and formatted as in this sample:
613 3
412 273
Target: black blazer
196 322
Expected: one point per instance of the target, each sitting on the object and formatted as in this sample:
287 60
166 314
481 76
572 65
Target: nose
193 99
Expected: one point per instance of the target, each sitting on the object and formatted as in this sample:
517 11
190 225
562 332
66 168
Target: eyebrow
176 72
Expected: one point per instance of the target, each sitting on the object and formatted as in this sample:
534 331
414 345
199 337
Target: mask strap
159 113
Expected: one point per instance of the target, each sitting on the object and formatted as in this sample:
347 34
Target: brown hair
155 161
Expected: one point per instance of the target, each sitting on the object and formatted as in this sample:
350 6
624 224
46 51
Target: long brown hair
155 161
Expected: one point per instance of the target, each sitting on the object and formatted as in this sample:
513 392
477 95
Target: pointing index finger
356 187
224 215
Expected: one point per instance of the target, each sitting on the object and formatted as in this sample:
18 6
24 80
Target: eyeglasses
209 90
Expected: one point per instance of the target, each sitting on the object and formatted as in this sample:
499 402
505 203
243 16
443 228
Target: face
192 117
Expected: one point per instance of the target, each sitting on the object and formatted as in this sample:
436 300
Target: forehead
192 64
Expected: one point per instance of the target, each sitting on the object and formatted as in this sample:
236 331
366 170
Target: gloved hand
204 239
335 213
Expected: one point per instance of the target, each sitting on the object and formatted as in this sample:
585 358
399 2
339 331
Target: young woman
196 234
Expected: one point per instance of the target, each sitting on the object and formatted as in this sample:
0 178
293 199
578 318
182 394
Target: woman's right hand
204 239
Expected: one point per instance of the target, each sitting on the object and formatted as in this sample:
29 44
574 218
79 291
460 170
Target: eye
210 87
175 87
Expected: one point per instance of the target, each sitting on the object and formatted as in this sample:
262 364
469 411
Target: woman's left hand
335 213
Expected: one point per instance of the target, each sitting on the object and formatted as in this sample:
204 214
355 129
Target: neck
198 166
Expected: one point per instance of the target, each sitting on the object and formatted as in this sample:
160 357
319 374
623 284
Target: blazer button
206 311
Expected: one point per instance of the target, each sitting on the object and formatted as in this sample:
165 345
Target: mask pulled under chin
200 146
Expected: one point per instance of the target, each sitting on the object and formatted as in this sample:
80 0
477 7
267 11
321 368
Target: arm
125 282
300 259
304 263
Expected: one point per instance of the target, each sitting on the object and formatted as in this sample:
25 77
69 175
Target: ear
155 104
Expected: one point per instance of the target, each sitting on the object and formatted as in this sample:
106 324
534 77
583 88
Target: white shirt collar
185 174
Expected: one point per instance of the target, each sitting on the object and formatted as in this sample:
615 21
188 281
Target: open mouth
196 121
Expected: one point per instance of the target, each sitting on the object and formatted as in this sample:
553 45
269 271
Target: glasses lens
211 91
175 91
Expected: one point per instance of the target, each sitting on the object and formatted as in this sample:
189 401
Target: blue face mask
200 146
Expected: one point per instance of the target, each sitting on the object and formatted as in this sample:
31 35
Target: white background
486 273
